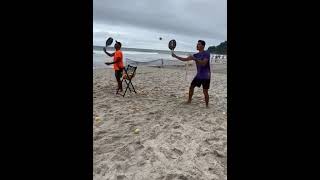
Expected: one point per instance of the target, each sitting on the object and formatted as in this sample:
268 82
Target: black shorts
198 82
118 73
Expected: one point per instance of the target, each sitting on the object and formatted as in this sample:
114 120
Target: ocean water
138 58
135 58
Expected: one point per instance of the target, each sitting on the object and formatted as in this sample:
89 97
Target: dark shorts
198 82
118 73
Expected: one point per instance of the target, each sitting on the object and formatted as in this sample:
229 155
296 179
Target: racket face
109 41
172 44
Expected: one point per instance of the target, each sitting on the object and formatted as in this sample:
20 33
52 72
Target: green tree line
220 49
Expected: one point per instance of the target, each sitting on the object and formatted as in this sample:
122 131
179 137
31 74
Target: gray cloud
204 19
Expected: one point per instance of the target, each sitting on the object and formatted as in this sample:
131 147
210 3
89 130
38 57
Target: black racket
109 41
172 44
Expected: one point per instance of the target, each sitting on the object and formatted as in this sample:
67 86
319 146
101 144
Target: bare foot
119 90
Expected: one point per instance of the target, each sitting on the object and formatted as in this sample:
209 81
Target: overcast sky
140 23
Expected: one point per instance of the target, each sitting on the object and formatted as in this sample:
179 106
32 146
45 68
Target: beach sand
176 140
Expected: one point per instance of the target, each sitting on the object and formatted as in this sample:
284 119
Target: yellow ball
137 131
98 118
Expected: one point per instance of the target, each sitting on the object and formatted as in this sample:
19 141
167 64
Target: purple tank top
203 71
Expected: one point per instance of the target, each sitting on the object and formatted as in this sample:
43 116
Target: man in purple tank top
203 71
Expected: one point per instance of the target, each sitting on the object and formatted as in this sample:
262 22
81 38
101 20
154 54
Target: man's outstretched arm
189 58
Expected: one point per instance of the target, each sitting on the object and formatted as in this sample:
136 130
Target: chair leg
125 91
133 87
129 86
128 82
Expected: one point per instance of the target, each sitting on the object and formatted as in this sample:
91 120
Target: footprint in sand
174 137
168 154
158 116
177 176
177 151
177 126
121 177
203 128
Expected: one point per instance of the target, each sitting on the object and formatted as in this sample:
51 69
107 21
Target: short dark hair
119 43
202 42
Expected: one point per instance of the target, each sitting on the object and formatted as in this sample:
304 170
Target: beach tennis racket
172 44
109 41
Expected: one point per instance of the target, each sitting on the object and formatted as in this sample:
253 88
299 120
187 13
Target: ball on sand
224 113
98 118
136 131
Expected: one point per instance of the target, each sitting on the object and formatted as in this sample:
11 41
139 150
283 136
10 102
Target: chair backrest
130 71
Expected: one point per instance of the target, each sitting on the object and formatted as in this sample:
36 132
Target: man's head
201 44
117 45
